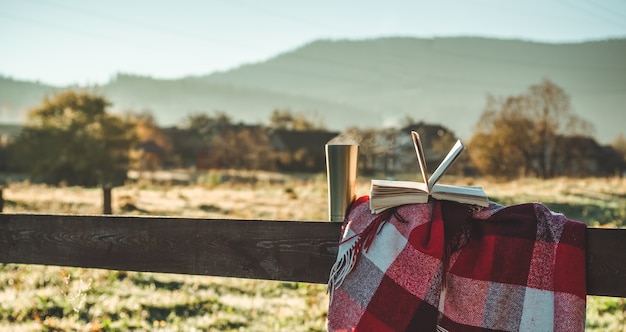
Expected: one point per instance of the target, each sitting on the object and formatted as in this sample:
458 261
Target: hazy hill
378 81
17 96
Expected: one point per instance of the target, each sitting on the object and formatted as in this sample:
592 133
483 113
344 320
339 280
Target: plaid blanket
444 266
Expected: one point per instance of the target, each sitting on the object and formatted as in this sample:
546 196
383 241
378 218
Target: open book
385 194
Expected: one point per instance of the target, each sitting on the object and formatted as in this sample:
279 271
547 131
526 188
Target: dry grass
282 200
38 298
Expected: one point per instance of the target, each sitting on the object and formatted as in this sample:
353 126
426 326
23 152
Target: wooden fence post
106 200
1 200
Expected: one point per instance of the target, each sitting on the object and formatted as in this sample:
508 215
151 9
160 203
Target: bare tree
520 135
549 105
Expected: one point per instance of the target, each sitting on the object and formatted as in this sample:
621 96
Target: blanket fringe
341 268
362 241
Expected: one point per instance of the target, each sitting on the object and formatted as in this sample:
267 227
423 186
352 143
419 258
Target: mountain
378 82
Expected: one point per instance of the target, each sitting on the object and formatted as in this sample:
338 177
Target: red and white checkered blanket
444 266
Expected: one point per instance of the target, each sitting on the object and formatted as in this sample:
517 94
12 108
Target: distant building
242 146
393 152
436 139
149 155
8 133
300 151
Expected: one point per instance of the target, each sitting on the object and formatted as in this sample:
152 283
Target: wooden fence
259 249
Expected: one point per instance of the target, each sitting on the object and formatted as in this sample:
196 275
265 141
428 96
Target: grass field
46 298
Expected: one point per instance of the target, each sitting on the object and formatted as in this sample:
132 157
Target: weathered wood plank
259 249
606 262
276 250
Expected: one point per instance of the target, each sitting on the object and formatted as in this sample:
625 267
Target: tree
154 145
147 129
286 119
550 106
522 135
213 141
204 126
619 144
71 138
242 148
192 139
502 144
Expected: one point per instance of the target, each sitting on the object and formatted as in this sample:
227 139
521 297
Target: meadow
49 298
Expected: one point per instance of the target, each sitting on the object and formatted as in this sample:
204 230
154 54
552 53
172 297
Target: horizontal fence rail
275 250
258 249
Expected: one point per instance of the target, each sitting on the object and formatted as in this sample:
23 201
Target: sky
66 42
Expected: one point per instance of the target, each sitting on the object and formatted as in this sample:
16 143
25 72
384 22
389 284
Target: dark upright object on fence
341 172
106 200
1 200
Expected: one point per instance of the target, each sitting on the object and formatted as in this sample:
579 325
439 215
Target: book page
468 195
393 186
459 190
445 164
420 157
